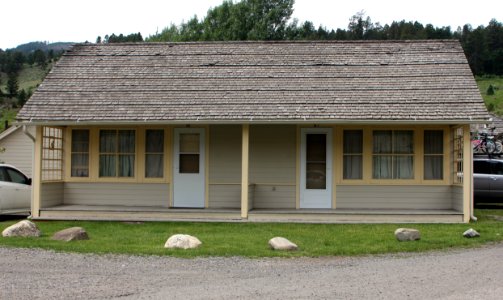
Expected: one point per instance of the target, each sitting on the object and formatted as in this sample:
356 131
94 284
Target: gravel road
455 274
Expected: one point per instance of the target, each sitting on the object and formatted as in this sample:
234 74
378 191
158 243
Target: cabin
304 131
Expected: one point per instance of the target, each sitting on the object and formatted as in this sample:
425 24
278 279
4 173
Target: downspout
25 131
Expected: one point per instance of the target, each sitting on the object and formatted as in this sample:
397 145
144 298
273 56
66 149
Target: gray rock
471 233
23 228
280 243
407 234
182 241
71 234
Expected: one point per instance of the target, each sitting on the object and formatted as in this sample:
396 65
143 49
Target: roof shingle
259 81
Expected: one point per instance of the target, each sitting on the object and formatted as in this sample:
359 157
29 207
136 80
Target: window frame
418 132
394 154
140 152
445 147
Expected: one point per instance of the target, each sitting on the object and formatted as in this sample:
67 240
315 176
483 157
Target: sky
80 21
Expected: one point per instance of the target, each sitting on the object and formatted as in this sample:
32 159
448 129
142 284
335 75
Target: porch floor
149 213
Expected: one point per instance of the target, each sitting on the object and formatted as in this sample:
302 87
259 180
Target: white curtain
80 153
389 161
154 153
353 154
117 153
433 154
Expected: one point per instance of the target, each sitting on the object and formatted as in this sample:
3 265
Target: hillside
494 103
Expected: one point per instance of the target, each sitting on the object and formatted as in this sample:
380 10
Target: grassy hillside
494 103
29 78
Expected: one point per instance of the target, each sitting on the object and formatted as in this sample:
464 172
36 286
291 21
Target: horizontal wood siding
146 194
270 196
457 198
272 154
225 154
272 165
18 150
51 194
393 197
225 196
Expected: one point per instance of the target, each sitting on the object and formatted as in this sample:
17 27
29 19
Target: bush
490 90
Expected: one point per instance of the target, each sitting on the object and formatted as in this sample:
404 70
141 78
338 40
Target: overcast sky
23 21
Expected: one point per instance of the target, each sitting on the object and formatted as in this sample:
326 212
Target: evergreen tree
12 85
21 98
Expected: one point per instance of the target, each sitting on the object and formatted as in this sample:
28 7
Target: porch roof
337 81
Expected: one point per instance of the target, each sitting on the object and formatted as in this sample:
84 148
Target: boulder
23 228
182 241
71 234
280 243
471 233
407 234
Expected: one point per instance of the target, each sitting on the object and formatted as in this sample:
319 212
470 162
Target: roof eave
251 121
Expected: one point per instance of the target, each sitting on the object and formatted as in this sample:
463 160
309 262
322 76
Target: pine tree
12 85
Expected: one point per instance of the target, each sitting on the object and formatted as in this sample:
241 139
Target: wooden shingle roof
259 82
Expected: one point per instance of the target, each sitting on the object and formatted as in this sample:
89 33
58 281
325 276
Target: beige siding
457 198
225 154
18 150
52 194
272 165
393 197
272 154
225 196
147 194
270 196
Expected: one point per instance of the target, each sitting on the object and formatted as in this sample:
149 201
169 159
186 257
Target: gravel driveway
456 274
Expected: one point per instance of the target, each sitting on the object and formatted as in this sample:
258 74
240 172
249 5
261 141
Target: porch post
467 173
244 170
37 174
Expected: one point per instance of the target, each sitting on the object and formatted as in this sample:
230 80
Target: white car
15 190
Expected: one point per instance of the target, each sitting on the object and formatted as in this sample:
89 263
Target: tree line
11 64
271 20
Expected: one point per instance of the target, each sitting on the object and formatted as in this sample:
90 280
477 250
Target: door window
189 153
316 161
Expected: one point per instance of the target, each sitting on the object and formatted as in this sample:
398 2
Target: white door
316 168
188 174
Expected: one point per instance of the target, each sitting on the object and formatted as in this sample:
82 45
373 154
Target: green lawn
250 239
494 103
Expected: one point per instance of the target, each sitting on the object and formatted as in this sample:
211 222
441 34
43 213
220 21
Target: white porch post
37 175
244 170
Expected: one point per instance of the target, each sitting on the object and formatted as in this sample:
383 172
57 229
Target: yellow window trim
139 176
418 156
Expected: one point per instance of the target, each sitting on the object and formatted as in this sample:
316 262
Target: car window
497 168
3 177
481 167
16 176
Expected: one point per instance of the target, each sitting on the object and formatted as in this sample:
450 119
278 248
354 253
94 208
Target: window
16 177
117 153
189 153
52 153
481 167
316 161
433 154
458 155
80 153
393 154
352 154
154 153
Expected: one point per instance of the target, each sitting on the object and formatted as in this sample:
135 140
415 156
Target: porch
151 213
